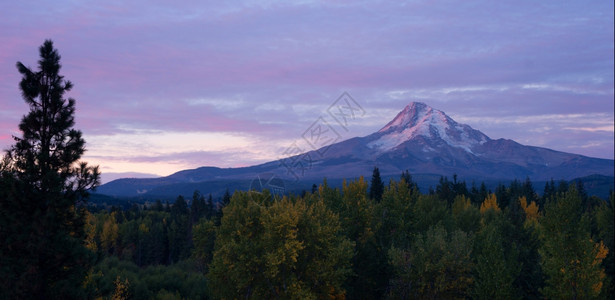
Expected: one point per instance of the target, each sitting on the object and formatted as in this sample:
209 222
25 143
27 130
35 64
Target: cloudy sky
163 86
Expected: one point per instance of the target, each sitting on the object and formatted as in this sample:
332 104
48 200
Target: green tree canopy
570 258
283 248
437 266
496 260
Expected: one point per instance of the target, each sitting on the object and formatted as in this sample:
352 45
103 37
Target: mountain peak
409 116
419 119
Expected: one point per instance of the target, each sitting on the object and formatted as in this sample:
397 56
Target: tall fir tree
407 177
210 207
43 187
226 198
179 243
376 187
445 190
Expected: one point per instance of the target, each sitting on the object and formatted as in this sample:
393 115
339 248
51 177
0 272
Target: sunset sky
163 86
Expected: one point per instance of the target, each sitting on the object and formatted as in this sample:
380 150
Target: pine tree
407 177
158 205
210 211
179 246
198 207
502 195
43 188
376 187
226 199
444 190
547 194
528 191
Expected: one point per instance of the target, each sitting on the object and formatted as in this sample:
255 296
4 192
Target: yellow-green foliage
465 215
491 202
282 248
122 289
395 213
109 233
531 212
203 238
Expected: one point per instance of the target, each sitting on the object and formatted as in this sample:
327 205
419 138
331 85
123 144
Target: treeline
150 251
360 242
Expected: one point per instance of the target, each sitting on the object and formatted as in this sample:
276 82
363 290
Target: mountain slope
420 139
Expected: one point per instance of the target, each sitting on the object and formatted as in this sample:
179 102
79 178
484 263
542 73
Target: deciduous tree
283 248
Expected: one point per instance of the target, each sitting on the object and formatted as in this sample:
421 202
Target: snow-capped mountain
425 140
420 139
418 119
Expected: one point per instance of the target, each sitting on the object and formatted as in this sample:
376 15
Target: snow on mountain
419 119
